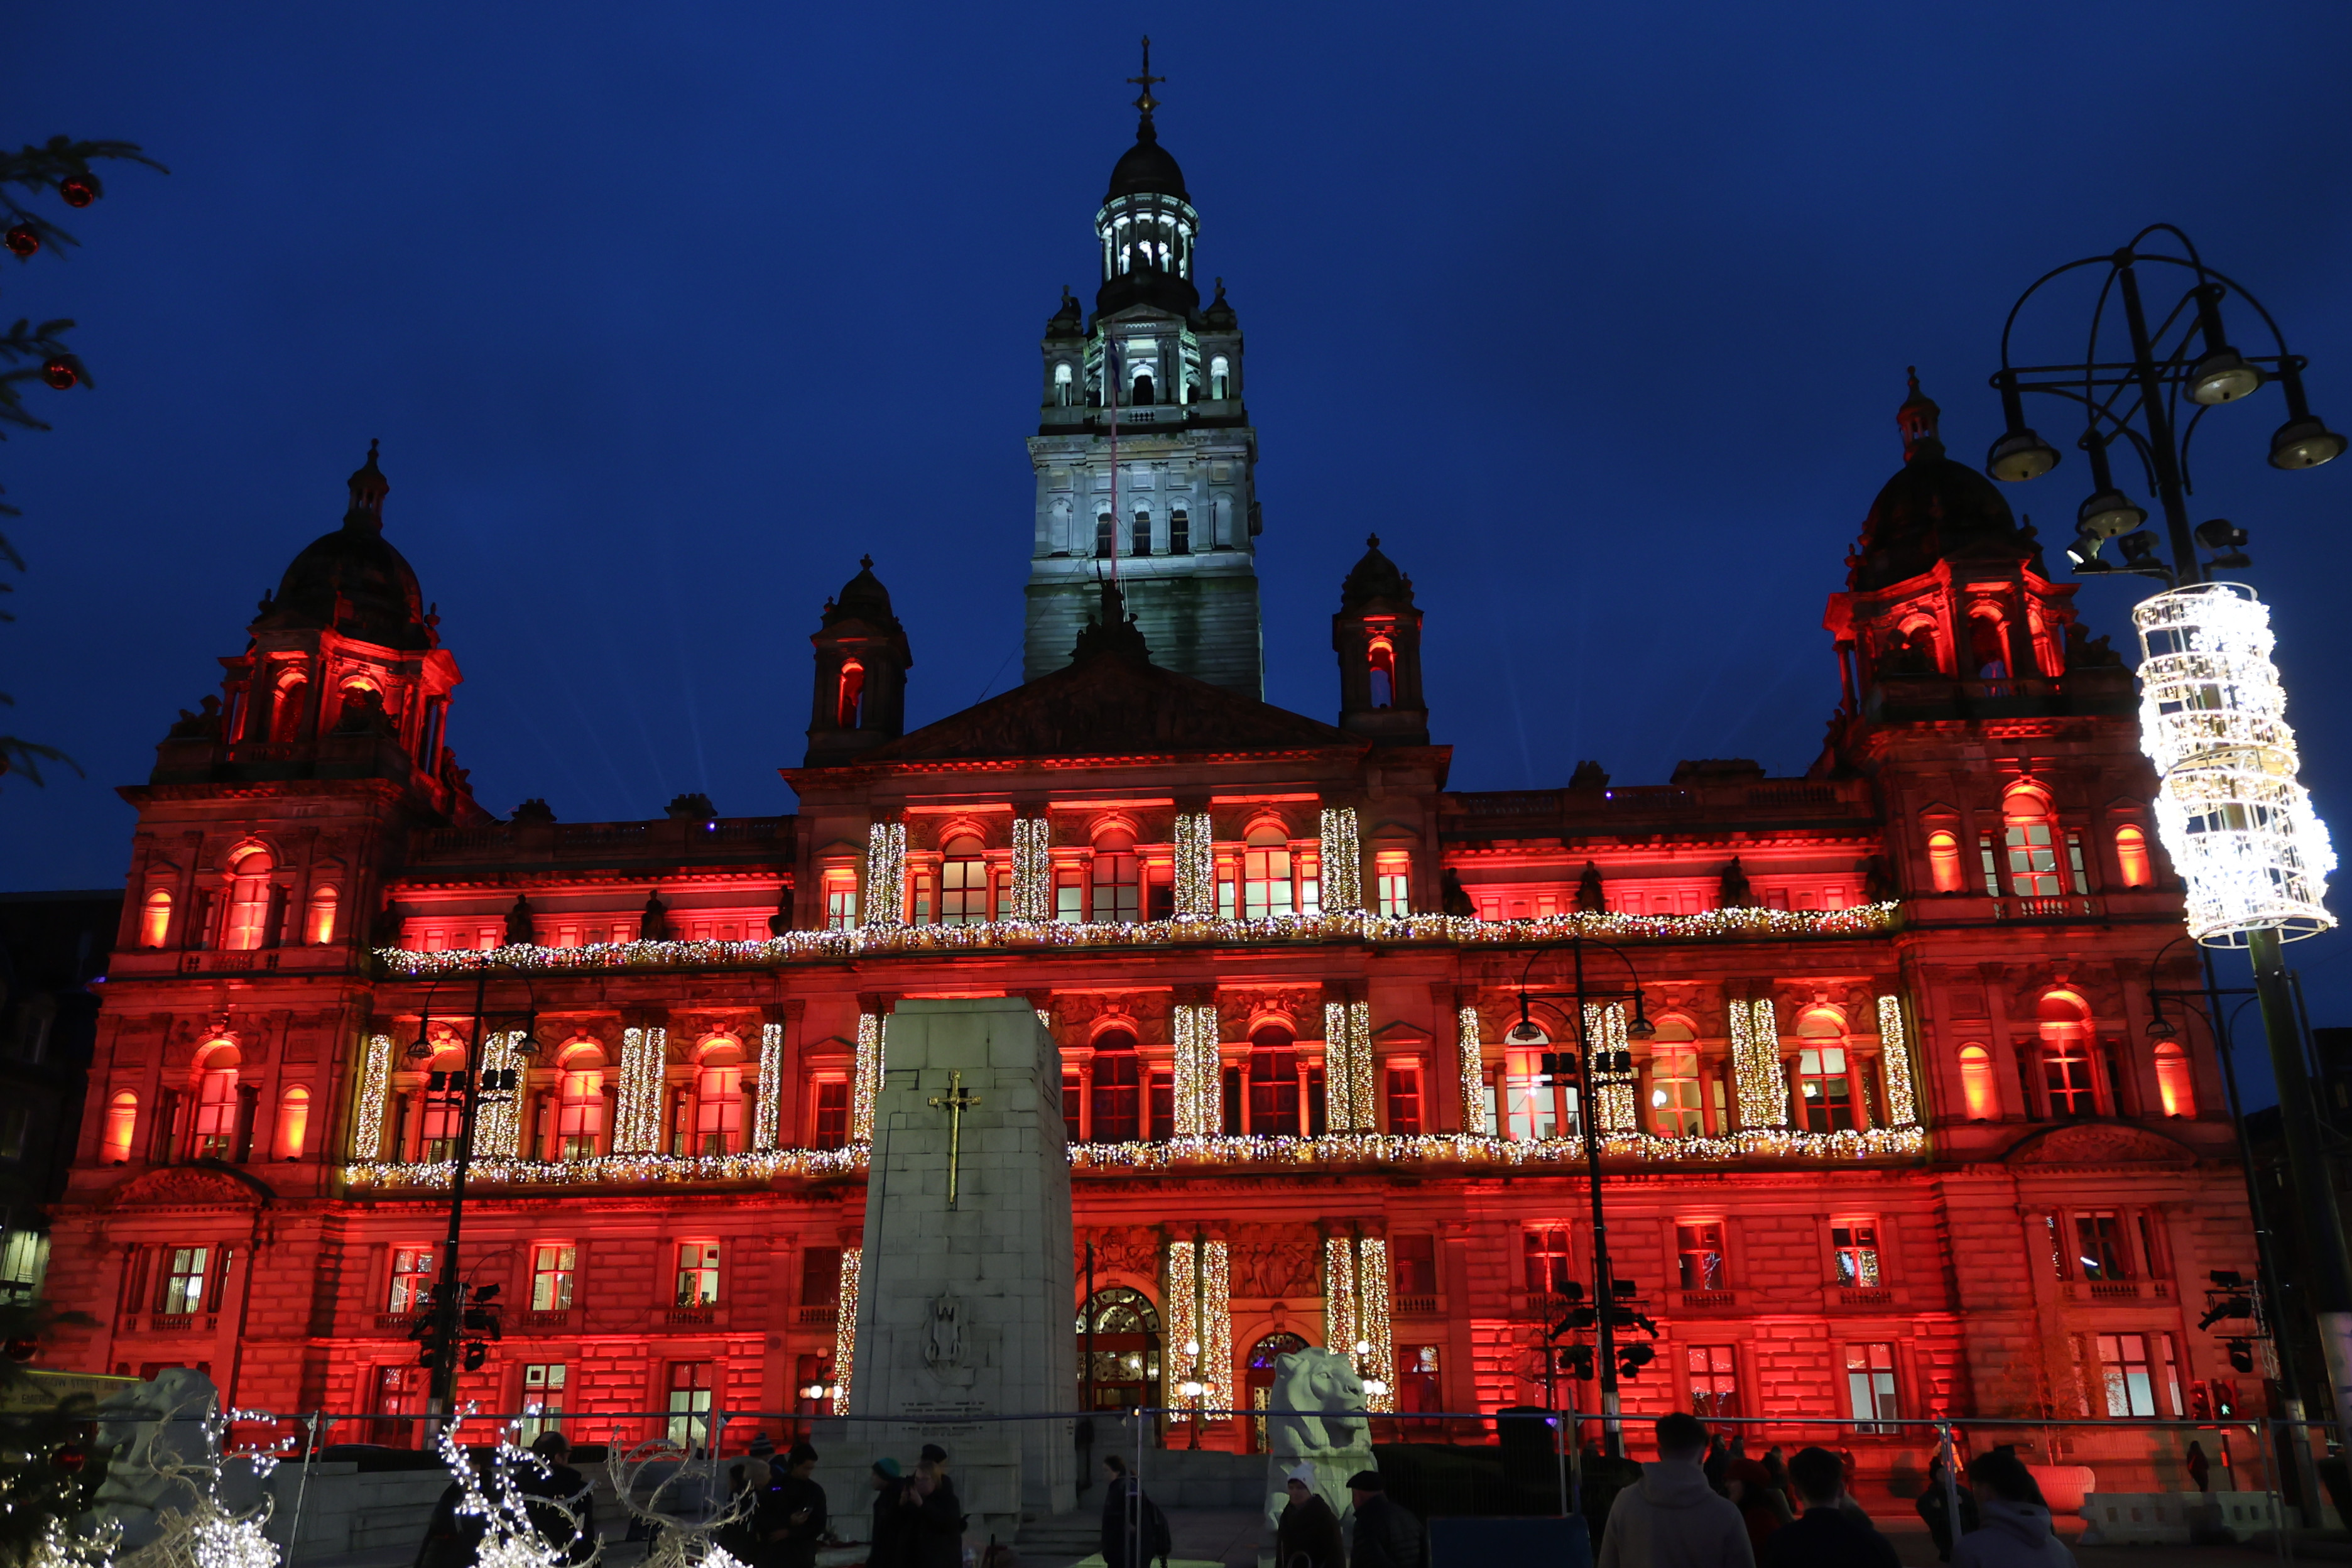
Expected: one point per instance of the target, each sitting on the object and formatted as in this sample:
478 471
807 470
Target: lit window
553 1269
122 1121
579 1112
443 1108
1713 1381
832 1128
1698 1253
1265 873
1221 377
1309 867
719 1109
1548 1267
217 1104
2173 1086
322 927
1856 1241
411 1279
1274 1084
1673 1091
181 1291
697 1273
1976 1084
1870 1386
851 703
2066 1057
1535 1106
2031 844
2099 1245
1113 1104
1404 1100
1117 880
293 1123
964 883
1944 860
2131 857
840 901
922 897
689 1403
24 1259
1062 384
155 919
2133 1368
248 926
285 710
543 1400
1069 898
1393 881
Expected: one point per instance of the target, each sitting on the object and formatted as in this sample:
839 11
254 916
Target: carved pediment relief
188 1186
2100 1143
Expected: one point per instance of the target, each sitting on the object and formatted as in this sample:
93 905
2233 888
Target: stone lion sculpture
161 1457
1316 1415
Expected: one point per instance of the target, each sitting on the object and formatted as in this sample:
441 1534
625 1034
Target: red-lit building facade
1901 1144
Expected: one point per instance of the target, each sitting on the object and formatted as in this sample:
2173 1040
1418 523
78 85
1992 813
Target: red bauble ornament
59 375
21 1350
78 190
69 1457
23 240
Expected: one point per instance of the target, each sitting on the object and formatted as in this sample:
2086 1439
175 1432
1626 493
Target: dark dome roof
1146 169
352 579
1375 577
863 597
1933 509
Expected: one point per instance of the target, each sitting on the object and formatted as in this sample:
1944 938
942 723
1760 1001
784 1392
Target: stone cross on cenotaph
965 1303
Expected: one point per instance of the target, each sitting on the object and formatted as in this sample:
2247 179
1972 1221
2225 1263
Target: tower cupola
1377 635
862 658
1147 226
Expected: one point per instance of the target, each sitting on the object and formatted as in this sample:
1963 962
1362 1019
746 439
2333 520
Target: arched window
1115 1101
1179 532
247 925
1265 872
1944 860
322 915
1534 1107
1221 377
1987 646
1674 1110
293 1123
718 1100
1143 393
1062 384
579 1104
1976 1084
851 700
2131 857
286 707
963 882
1122 1331
1118 879
1274 1084
2065 1028
1382 654
217 1102
121 1122
1824 1079
2173 1086
2030 839
155 919
1139 540
1106 537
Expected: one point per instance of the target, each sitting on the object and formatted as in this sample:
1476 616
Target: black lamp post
461 1321
2186 364
1594 1070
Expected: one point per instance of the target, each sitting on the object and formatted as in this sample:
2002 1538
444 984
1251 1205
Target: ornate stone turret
1377 634
862 659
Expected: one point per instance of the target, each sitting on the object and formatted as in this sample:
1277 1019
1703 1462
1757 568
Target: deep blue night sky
665 314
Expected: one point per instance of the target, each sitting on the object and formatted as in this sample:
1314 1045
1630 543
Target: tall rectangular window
1991 866
689 1403
1540 1105
24 1258
1069 898
1714 1381
831 1130
1265 882
963 890
1856 1244
1870 1386
2137 1376
1825 1088
821 1276
553 1267
2099 1245
2067 1078
840 901
922 899
1310 883
1546 1254
2033 860
580 1112
1118 889
444 1117
411 1279
1393 883
1698 1253
1073 1097
542 1399
1162 1088
1413 1259
697 1274
1404 1100
1179 532
181 1291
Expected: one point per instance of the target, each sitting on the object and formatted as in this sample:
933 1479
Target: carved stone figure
943 1337
1315 1414
160 1457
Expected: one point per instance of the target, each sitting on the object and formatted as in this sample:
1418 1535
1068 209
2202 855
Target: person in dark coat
894 1518
939 1520
567 1519
452 1540
792 1516
754 1473
1120 1547
1935 1506
1827 1536
1386 1535
1307 1533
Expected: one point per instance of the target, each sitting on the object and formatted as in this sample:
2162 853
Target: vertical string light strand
1343 862
1196 867
1339 1069
845 1327
1182 1292
1472 1053
868 1078
1199 1099
636 1120
1032 870
886 874
1376 1364
376 1096
1339 1293
765 1114
1756 1065
1360 1069
1605 1028
1895 1064
1217 1326
497 1122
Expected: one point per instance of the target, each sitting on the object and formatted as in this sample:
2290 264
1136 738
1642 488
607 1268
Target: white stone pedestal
966 1314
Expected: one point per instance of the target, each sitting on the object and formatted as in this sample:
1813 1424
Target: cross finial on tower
1144 100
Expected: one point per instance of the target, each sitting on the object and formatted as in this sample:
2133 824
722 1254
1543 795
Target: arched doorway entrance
1262 1358
1125 1370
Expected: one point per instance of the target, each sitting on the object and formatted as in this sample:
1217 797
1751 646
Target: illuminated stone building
1900 1145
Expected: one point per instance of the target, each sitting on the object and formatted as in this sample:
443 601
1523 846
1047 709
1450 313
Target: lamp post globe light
2252 854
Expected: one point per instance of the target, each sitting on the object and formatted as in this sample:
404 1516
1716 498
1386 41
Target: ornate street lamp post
2239 827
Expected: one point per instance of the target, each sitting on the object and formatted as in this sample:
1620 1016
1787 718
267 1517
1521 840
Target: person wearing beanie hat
938 1518
1307 1533
1387 1536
